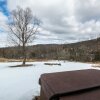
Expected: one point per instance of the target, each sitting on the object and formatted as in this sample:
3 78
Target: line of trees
57 52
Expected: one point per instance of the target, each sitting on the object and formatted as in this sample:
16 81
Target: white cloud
64 20
3 38
3 19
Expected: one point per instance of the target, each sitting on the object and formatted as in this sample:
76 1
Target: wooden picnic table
71 85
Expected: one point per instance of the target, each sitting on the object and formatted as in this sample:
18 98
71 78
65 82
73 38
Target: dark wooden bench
71 85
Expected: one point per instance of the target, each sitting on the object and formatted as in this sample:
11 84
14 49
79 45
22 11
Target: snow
21 83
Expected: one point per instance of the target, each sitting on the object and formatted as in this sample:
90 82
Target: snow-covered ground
22 83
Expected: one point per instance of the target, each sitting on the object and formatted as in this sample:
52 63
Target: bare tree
22 28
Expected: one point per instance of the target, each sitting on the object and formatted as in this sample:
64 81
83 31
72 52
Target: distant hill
81 51
92 44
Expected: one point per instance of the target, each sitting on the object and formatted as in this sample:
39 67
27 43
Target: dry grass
20 60
4 60
10 60
96 65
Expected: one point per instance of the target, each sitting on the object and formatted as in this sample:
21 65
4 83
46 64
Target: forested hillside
81 51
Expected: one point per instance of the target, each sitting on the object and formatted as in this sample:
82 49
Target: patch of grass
96 65
3 59
20 60
9 60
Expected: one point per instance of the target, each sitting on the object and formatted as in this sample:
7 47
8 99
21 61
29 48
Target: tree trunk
24 61
24 54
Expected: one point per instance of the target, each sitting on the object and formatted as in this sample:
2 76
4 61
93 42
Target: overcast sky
64 21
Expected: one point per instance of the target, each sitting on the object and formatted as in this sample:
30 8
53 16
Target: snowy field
22 83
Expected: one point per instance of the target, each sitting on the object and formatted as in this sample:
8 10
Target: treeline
82 51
